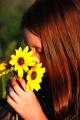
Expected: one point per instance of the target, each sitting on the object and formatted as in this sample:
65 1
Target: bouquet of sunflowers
23 62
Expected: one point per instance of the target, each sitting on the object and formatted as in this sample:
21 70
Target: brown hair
57 23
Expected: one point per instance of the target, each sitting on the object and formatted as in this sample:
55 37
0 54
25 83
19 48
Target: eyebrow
36 46
42 51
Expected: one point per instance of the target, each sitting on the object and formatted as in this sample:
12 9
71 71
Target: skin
24 101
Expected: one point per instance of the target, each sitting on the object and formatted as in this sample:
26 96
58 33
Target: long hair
57 23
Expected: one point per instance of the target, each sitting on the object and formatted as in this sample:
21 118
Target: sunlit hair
57 23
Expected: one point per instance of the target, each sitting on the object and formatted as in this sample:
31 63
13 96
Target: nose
36 54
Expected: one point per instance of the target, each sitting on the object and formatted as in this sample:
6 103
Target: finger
29 93
13 78
9 83
13 117
11 102
20 92
13 95
21 82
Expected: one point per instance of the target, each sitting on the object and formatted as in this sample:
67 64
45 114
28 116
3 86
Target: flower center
20 61
33 75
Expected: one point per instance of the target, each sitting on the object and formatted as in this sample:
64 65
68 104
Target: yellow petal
13 56
18 51
25 50
6 72
17 67
25 67
30 53
1 74
39 65
37 87
2 66
39 80
30 63
20 73
12 62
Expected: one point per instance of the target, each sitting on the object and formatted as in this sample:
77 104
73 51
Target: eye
39 50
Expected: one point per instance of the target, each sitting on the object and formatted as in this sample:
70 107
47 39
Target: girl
52 30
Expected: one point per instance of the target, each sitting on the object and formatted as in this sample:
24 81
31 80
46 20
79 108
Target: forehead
32 39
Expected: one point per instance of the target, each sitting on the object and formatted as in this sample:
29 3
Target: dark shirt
44 97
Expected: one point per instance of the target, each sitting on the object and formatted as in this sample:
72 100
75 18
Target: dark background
11 12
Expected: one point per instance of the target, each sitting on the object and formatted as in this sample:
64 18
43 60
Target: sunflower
34 77
22 60
2 66
5 68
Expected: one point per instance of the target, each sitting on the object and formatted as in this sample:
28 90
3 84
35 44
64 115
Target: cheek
43 60
40 58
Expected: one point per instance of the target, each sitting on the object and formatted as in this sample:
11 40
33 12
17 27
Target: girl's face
34 42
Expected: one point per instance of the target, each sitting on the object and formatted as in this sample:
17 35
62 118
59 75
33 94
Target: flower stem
16 116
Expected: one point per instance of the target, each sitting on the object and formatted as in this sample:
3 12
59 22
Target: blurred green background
11 12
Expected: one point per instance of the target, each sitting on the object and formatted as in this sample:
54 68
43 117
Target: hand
24 101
